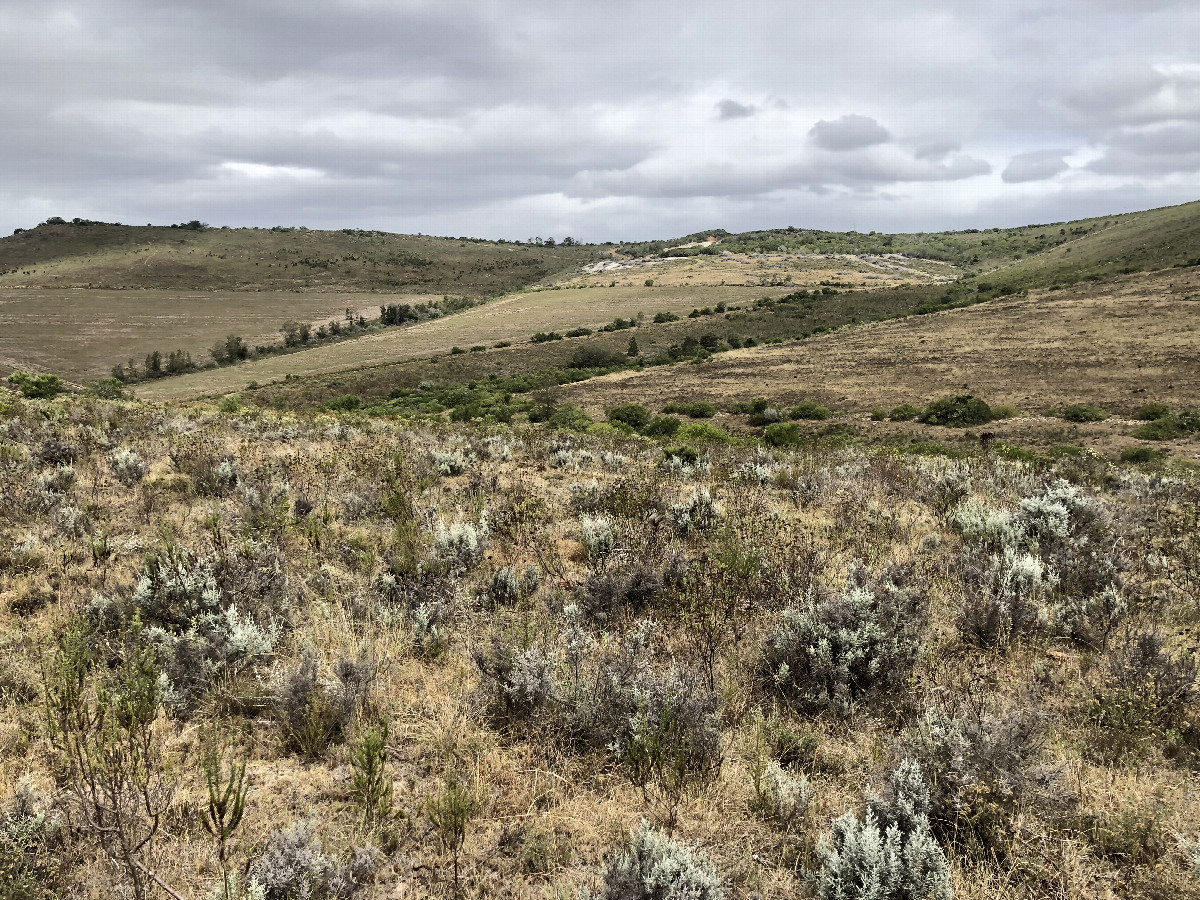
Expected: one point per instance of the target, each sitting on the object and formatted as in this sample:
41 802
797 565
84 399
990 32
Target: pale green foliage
889 853
654 867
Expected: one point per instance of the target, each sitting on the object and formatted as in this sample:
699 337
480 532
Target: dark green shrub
809 410
1166 429
1141 455
782 434
663 426
696 410
579 332
456 351
42 386
542 337
663 317
571 417
632 414
682 452
107 389
961 411
1084 412
344 403
905 412
595 356
1152 411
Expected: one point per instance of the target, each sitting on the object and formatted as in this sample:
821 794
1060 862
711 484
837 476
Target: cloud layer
605 122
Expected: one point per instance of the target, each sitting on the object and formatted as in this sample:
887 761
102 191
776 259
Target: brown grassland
1118 345
568 634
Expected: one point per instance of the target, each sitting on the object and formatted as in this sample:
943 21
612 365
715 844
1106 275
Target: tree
42 386
633 348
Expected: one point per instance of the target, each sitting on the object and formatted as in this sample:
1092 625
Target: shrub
41 386
579 332
809 410
1084 412
1003 598
671 742
570 417
518 679
654 867
962 411
905 412
460 543
838 649
632 414
984 767
595 356
782 434
127 466
703 431
1141 455
543 337
889 854
1005 411
1152 411
696 410
28 868
598 536
699 512
293 866
662 426
344 403
1144 690
313 715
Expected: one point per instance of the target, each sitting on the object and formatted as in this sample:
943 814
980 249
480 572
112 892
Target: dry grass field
512 318
79 335
1119 345
467 661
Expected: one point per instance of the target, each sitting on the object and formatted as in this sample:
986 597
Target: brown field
79 334
512 318
1118 345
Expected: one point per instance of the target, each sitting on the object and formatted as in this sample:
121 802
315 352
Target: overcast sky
605 121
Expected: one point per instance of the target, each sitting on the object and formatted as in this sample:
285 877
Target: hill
196 257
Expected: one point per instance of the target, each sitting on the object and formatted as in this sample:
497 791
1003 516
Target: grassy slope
251 259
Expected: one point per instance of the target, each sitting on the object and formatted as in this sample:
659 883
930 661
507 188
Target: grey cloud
1152 152
731 109
848 133
1038 165
937 151
455 114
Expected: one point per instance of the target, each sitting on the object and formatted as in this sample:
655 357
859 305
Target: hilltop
198 257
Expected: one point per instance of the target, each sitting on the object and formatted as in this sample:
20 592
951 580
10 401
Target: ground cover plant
328 654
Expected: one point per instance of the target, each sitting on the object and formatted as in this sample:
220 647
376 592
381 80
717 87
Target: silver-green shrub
655 867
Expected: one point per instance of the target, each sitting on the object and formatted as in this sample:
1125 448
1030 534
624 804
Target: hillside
121 257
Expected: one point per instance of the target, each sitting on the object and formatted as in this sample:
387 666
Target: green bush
579 332
809 410
107 389
571 417
1005 411
782 434
1141 455
682 452
663 426
632 414
344 403
702 431
878 415
1152 411
697 410
1170 427
42 386
455 351
962 411
1084 412
542 337
905 412
595 356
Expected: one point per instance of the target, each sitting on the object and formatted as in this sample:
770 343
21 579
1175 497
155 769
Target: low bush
905 412
809 410
1141 455
782 434
1152 411
634 415
662 426
696 410
962 411
839 649
294 866
1084 412
655 867
888 854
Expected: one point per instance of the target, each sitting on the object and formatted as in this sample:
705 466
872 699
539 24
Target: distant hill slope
123 257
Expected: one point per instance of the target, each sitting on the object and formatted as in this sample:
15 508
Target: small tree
372 783
226 799
633 348
42 386
102 729
450 812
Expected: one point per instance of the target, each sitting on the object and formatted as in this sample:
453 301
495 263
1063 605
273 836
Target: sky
603 121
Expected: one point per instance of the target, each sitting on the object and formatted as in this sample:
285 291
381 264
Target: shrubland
257 654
